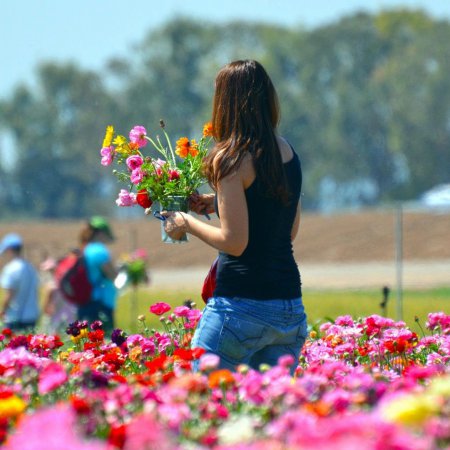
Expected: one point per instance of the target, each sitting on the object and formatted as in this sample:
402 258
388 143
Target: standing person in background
58 312
256 313
94 238
20 281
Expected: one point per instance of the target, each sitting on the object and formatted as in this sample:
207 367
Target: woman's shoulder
286 149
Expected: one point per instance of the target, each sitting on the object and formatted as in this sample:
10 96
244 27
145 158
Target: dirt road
414 275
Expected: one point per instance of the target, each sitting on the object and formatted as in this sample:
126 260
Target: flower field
366 383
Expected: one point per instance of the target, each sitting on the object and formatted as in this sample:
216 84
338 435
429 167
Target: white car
437 196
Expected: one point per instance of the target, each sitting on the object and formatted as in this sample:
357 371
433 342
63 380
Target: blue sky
91 31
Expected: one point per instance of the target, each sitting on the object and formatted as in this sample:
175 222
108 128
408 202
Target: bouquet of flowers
168 179
133 269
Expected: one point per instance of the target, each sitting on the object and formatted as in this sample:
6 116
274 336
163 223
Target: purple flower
118 336
137 135
134 162
107 154
126 198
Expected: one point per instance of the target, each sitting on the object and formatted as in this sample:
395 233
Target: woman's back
266 269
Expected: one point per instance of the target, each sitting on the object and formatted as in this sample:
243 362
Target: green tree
58 129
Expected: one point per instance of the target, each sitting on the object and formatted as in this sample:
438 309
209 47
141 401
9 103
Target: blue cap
11 240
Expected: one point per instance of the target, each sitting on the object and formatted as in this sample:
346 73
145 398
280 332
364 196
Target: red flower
117 436
173 175
80 405
96 336
143 199
159 308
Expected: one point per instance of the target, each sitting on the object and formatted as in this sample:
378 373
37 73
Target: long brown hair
245 115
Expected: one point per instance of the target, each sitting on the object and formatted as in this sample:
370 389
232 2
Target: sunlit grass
320 305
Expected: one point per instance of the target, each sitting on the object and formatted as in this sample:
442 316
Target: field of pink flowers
366 383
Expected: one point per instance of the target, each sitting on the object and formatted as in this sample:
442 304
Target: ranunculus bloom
136 176
137 135
51 377
134 162
173 175
159 308
126 198
107 154
143 199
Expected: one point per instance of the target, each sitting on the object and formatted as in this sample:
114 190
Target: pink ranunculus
194 315
51 378
107 154
134 162
181 311
137 135
126 198
158 163
160 308
136 176
209 361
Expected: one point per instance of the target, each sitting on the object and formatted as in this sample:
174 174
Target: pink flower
56 426
181 311
209 361
51 378
160 308
158 163
145 431
126 198
107 154
194 315
136 176
137 135
134 162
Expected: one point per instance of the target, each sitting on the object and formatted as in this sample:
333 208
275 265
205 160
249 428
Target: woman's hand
202 203
176 224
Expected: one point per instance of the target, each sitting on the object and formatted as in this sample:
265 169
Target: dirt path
415 274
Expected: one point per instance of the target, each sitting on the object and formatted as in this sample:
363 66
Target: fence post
399 259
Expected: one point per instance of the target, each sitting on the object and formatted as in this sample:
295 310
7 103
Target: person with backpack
19 308
58 310
101 271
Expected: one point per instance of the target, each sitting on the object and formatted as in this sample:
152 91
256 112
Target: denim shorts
252 332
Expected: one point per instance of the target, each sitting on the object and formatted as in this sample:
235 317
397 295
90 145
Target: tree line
365 101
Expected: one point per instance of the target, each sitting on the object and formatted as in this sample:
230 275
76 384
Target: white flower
236 430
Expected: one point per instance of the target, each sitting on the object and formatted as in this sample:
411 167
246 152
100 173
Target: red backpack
72 278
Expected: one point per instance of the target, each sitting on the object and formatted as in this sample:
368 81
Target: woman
94 238
256 314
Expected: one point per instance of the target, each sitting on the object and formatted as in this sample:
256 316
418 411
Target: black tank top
267 268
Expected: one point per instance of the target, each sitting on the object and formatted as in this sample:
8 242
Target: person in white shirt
19 305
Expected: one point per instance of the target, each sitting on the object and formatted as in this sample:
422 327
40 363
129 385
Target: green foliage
365 101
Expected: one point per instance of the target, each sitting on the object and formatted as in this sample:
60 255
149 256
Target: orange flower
220 377
182 149
193 149
207 129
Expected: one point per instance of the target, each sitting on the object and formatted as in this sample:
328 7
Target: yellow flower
11 407
62 356
411 409
440 386
120 140
108 136
135 353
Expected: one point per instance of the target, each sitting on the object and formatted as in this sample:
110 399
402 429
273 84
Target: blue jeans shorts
252 332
